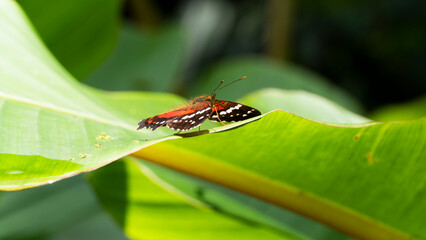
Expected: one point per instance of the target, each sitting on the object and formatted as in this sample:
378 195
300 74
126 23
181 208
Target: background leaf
52 212
304 104
400 112
235 204
263 73
143 60
80 33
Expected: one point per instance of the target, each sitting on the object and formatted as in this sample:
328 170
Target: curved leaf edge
83 169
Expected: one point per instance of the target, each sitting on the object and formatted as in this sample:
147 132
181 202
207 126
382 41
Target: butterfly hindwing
231 111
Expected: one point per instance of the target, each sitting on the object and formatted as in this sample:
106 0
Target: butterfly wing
231 111
182 119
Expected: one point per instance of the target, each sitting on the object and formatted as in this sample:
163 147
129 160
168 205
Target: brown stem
278 29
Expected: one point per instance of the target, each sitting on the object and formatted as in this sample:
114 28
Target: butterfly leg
219 118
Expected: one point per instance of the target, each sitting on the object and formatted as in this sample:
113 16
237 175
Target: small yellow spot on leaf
103 136
84 155
356 137
71 159
135 141
98 145
370 159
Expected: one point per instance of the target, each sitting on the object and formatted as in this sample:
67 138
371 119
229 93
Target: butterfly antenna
217 89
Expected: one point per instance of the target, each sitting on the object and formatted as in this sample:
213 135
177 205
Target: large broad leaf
80 33
321 171
145 211
51 126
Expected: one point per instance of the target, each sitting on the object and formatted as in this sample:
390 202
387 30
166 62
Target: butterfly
199 110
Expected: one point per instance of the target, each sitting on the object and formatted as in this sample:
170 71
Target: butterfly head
203 98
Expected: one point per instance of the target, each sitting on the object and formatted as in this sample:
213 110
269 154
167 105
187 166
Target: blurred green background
366 56
374 51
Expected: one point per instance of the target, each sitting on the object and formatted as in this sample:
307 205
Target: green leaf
302 103
66 210
361 179
263 73
322 171
143 60
80 33
400 112
145 211
51 126
229 202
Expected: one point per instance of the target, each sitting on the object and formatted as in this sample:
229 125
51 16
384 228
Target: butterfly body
199 110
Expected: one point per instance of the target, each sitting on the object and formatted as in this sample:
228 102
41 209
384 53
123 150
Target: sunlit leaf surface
51 126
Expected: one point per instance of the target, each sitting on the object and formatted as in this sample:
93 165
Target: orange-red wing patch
183 119
220 105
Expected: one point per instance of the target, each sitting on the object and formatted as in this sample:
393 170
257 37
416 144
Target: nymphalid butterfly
199 110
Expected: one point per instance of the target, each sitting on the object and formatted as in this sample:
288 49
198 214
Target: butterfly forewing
182 119
153 123
231 111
